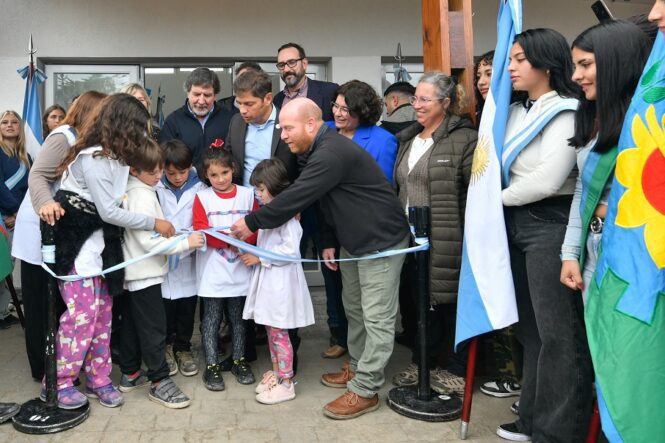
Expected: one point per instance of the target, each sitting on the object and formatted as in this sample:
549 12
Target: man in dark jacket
200 122
360 211
292 65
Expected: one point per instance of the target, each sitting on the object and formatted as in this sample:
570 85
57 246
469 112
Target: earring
548 72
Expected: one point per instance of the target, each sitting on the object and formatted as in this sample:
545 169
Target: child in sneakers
143 332
88 240
176 192
278 294
223 278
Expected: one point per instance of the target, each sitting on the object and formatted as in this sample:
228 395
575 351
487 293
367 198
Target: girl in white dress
278 295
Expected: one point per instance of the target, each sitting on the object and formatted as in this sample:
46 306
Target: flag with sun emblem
625 314
486 299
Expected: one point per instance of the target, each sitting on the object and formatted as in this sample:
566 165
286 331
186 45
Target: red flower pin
218 143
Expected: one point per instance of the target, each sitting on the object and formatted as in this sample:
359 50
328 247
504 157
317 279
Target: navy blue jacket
321 93
10 199
182 125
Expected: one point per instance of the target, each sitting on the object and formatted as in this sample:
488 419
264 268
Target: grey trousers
370 296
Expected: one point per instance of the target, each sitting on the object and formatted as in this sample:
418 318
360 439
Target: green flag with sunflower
625 314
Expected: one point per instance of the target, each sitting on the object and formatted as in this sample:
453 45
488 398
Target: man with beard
200 122
292 65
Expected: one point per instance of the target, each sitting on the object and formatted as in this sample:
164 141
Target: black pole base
36 417
404 400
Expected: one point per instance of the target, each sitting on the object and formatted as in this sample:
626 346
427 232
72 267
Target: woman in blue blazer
356 109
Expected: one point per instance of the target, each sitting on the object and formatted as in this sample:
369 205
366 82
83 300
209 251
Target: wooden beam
448 42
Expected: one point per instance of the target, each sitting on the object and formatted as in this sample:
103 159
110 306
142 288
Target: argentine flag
486 300
32 114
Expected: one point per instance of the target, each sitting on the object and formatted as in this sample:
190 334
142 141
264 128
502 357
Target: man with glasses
292 65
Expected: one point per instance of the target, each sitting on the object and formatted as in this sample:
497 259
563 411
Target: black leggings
212 319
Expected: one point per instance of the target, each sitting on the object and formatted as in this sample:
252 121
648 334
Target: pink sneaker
108 395
268 379
277 393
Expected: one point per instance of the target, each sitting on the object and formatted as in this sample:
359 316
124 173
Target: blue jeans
555 404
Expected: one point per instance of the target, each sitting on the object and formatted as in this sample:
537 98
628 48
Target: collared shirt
203 120
302 92
258 143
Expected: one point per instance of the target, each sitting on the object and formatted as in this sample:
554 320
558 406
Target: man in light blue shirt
254 134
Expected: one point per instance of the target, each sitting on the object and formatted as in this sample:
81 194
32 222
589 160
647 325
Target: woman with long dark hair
538 177
608 84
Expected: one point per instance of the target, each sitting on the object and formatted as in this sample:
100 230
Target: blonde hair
131 88
18 149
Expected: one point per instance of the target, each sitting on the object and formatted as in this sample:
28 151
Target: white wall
352 34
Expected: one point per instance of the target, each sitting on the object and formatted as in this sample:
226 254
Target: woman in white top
539 179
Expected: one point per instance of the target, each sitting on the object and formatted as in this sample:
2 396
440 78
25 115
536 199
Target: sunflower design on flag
643 203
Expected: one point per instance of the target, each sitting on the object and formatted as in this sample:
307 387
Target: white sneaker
269 378
277 393
501 388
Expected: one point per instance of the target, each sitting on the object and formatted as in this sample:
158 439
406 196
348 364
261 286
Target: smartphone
601 10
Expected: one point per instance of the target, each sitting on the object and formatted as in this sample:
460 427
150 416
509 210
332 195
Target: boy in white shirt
176 191
143 334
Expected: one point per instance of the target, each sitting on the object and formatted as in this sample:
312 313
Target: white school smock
180 281
27 244
220 272
278 294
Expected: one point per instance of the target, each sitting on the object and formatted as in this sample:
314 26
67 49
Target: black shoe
511 432
8 321
243 372
8 410
212 378
226 364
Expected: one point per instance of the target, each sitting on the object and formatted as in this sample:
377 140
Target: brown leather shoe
338 379
351 405
335 351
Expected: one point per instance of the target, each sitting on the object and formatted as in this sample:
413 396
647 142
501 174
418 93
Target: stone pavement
234 415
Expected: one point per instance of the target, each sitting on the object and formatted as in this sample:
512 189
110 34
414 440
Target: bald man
361 211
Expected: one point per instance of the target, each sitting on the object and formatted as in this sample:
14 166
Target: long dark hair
119 125
547 50
621 49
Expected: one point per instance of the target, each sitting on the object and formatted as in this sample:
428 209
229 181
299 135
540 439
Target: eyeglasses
424 100
290 63
340 108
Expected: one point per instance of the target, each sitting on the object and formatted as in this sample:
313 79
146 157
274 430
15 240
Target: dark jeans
143 333
555 404
34 287
180 322
212 320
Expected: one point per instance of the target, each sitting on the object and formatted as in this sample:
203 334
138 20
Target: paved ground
234 415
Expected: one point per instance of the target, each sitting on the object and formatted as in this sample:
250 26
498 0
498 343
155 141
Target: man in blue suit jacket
292 65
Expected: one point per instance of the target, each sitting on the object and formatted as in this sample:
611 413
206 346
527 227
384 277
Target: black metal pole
420 402
48 241
422 265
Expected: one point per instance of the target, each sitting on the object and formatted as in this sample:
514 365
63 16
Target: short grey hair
202 77
447 87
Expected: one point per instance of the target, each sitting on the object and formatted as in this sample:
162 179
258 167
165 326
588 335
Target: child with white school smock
278 294
176 192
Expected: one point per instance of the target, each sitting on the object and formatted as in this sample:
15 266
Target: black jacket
355 199
235 142
184 126
321 93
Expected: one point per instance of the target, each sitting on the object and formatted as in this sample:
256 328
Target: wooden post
448 42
